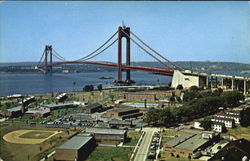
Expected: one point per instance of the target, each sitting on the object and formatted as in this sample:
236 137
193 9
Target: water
59 82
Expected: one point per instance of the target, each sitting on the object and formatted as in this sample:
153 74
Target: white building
236 118
187 80
197 124
228 122
218 126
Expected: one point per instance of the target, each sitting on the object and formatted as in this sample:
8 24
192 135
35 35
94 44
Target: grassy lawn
29 152
133 137
165 156
36 134
240 132
110 154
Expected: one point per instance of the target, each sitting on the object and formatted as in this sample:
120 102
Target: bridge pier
48 51
119 64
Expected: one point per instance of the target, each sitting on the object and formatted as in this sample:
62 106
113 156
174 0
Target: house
52 107
92 108
37 113
238 150
190 145
122 112
230 115
104 134
75 149
218 127
230 123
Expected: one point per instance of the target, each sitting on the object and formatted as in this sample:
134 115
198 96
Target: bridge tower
121 34
48 55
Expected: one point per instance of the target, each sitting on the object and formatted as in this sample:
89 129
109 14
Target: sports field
31 143
29 136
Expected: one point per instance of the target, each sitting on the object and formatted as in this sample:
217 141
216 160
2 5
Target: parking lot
154 146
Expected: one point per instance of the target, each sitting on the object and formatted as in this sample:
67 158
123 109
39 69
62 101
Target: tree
88 88
193 88
99 87
245 117
180 87
206 124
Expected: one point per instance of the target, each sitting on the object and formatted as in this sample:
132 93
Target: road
142 152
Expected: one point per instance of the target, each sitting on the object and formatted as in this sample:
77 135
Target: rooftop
221 118
58 105
94 105
37 111
178 140
123 109
76 142
105 131
193 143
18 108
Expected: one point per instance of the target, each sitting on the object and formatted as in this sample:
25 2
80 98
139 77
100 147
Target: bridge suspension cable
40 61
146 51
101 50
156 51
57 55
90 55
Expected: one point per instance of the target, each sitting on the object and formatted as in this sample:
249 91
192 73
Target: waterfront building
57 106
62 97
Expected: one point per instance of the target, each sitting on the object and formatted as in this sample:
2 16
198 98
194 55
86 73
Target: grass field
133 137
240 132
165 156
29 152
37 134
110 154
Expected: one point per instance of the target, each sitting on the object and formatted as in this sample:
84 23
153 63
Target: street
142 152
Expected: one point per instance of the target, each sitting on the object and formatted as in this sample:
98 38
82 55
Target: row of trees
194 108
89 88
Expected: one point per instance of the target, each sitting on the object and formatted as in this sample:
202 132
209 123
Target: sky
181 31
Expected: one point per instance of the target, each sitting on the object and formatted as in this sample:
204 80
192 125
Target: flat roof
57 105
105 131
222 118
38 111
179 140
123 109
94 105
193 143
75 142
18 108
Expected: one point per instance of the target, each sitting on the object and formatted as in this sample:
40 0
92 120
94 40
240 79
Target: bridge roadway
161 71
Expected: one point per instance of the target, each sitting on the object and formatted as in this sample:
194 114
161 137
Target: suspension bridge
47 60
51 57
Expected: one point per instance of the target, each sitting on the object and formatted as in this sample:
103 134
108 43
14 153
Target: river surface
59 82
